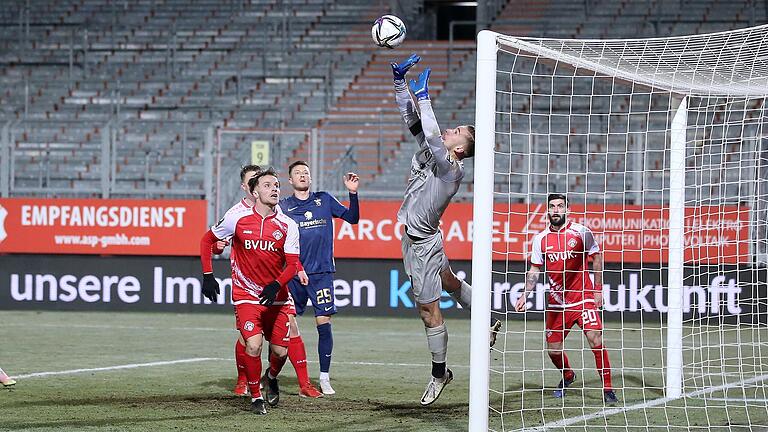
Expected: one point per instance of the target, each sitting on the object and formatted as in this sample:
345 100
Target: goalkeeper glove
399 70
210 287
269 293
419 87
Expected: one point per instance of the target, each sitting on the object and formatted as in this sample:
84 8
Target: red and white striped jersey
259 248
564 254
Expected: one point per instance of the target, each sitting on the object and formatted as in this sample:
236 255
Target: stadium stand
147 80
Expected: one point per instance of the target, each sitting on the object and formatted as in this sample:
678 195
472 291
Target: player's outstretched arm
351 214
432 134
403 98
531 279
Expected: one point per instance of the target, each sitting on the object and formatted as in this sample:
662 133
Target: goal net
660 148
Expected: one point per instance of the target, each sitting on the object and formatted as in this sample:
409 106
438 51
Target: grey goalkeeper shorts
424 260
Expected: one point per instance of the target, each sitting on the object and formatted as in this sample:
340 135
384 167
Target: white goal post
660 146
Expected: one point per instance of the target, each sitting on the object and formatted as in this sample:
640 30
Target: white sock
325 376
463 295
437 341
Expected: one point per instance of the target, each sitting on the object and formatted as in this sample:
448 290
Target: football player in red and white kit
266 243
564 249
297 353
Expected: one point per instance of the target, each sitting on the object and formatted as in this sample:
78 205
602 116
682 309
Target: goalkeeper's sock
325 346
438 369
603 366
239 361
561 362
253 372
463 295
297 353
437 341
275 365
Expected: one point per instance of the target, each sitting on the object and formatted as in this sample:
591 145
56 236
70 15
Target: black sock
438 370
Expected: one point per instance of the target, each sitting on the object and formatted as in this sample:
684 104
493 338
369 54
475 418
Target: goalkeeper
435 177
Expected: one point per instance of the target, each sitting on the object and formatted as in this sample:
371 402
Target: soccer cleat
258 407
495 327
241 388
610 397
309 391
272 388
435 386
564 383
9 383
325 386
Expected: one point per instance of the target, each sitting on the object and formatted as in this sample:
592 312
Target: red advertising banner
103 227
626 233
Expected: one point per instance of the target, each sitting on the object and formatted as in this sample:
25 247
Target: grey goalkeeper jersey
435 177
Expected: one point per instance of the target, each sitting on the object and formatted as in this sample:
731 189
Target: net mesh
594 119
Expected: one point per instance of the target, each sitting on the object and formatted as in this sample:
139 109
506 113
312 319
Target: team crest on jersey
318 202
277 235
248 326
572 242
308 215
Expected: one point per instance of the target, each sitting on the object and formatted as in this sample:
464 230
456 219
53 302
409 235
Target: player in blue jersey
314 213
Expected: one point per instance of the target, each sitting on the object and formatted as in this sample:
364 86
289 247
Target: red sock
275 364
603 366
298 355
239 362
253 372
561 362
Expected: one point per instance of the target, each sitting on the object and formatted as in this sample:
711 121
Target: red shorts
271 321
559 322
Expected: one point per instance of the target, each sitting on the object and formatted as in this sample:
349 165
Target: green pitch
379 372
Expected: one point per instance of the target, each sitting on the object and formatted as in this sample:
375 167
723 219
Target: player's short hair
469 151
295 164
259 174
248 168
554 196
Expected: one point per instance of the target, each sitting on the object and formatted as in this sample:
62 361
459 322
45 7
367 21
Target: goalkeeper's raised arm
403 96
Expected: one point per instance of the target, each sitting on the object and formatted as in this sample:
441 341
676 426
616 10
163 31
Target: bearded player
266 244
564 249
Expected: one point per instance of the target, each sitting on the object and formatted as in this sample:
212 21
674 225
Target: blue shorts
319 292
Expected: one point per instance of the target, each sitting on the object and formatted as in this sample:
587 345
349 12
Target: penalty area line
117 367
652 403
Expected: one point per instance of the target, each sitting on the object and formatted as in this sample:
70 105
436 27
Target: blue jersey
315 219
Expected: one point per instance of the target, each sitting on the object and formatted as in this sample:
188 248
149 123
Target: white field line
648 404
745 400
202 359
118 367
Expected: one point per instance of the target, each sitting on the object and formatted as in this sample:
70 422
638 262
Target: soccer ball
388 31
